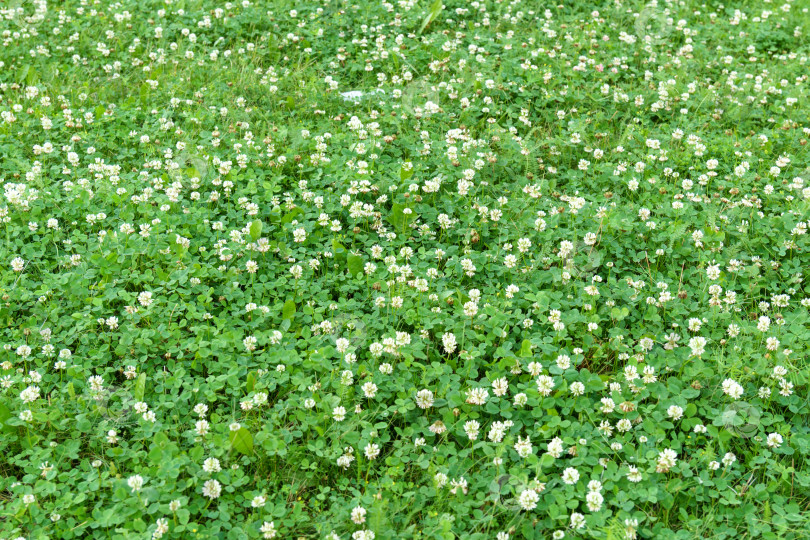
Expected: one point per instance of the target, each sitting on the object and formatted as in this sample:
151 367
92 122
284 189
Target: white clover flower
212 489
17 264
145 298
666 460
732 389
545 385
135 482
268 530
424 399
358 515
570 476
675 412
528 499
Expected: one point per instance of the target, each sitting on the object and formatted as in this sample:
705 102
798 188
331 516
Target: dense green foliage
450 269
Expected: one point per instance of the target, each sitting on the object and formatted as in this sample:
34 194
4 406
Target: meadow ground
404 270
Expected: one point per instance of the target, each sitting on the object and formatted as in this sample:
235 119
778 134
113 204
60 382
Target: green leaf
140 387
339 251
256 230
5 414
242 441
288 312
435 9
29 74
251 382
291 215
355 264
399 218
619 314
526 349
546 460
108 517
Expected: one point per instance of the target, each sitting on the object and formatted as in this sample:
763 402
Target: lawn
417 270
